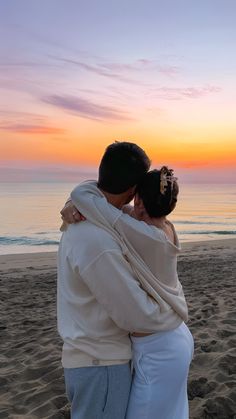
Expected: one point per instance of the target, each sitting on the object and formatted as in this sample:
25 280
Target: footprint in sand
228 364
200 387
219 408
212 346
225 333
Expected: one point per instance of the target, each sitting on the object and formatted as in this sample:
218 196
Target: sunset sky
76 75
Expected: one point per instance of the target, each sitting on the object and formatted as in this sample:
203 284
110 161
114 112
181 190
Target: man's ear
138 202
131 192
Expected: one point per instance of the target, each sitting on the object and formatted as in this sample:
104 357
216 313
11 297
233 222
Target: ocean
30 218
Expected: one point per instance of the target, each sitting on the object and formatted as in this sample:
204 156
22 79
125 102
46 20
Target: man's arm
112 282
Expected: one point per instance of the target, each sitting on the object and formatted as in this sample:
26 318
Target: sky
77 75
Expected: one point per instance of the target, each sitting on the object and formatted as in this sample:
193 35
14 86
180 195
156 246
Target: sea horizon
30 214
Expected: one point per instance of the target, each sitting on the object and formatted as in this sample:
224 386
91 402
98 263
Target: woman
149 241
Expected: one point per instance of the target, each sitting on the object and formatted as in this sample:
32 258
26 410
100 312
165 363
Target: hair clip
166 176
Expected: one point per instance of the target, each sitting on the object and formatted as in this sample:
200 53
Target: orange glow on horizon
74 151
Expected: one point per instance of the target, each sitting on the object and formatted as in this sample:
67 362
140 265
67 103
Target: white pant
161 364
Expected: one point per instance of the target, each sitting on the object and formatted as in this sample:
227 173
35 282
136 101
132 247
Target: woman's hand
70 214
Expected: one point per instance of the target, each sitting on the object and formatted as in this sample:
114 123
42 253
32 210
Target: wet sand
31 377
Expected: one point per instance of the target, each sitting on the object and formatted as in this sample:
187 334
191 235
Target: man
100 300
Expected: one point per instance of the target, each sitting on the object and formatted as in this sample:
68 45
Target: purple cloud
85 108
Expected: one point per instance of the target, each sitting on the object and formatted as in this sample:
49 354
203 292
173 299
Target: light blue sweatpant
98 392
161 364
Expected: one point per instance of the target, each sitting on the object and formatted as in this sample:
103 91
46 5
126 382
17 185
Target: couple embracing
121 307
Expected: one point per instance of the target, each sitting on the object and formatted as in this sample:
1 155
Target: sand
31 377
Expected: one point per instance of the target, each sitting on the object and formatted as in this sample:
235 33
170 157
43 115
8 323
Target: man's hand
70 214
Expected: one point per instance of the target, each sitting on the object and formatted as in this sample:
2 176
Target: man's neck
116 200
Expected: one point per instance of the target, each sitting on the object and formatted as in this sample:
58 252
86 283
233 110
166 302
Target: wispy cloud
141 65
21 64
21 115
86 109
23 122
31 129
177 93
98 70
123 72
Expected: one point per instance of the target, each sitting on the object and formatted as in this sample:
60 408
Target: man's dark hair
122 167
158 204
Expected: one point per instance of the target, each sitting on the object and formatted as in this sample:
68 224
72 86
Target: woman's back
154 246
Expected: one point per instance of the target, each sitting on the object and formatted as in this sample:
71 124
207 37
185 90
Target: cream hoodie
152 256
99 298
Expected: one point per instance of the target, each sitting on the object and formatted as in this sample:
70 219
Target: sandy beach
31 377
